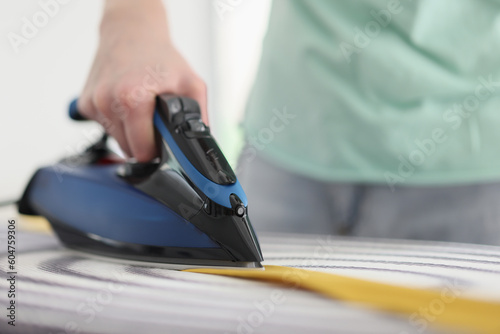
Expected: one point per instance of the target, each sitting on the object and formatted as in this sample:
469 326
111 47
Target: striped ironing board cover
62 291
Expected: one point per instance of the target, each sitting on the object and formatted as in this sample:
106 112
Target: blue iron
185 209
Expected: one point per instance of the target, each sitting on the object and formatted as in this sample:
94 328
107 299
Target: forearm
130 14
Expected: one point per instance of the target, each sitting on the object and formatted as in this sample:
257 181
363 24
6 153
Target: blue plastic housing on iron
220 194
110 199
186 209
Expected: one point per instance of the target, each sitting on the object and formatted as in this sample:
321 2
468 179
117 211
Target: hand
135 62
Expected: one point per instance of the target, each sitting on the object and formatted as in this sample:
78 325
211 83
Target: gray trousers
281 201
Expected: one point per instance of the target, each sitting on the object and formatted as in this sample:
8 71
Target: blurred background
49 69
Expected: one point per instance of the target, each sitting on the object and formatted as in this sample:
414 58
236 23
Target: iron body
186 209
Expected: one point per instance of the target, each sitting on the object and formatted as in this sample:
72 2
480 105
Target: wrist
133 15
111 6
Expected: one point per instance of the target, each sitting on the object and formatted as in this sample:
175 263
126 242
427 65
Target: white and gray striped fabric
61 291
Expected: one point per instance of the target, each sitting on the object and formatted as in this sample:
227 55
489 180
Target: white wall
37 82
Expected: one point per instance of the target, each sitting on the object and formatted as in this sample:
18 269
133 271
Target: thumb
197 90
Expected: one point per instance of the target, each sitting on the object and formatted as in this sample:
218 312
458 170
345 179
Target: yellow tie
477 316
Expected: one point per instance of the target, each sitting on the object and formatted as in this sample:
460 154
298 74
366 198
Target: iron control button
196 125
195 128
174 105
240 210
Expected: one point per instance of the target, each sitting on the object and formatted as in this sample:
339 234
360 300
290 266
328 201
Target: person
369 118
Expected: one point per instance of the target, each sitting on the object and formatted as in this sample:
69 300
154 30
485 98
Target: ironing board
62 291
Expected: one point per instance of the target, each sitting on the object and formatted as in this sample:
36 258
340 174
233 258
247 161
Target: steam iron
186 209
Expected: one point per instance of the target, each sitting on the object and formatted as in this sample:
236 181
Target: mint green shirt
397 92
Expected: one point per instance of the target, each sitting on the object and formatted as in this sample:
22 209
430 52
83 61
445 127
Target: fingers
128 116
138 123
196 89
139 130
125 116
117 131
86 107
101 108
